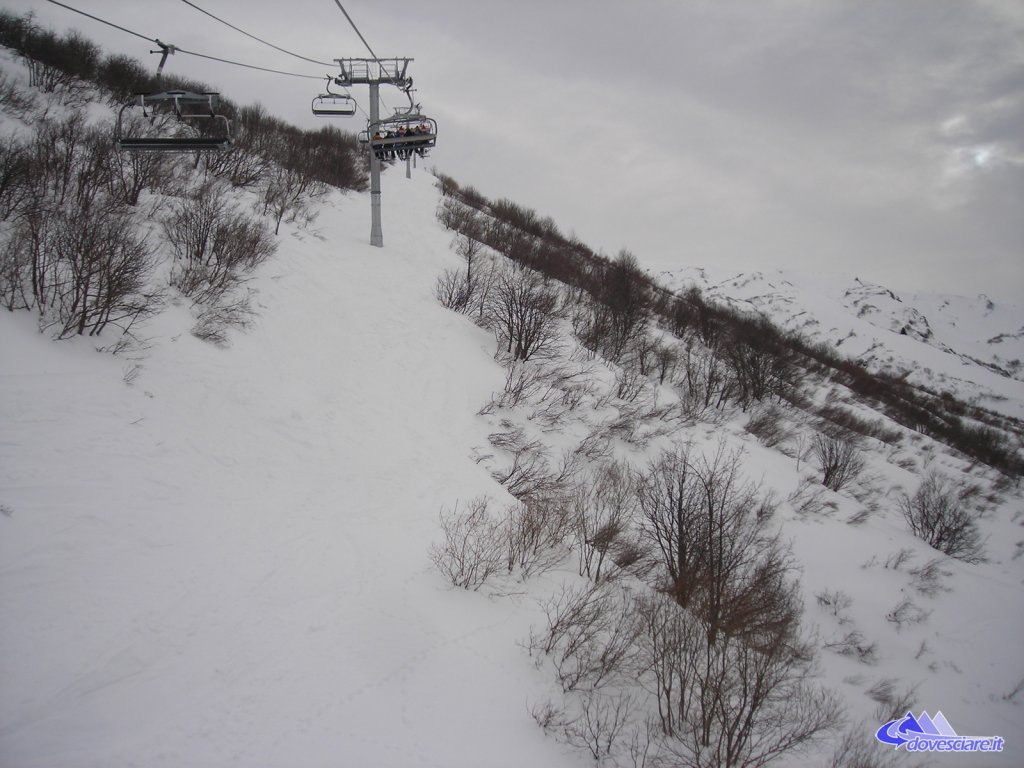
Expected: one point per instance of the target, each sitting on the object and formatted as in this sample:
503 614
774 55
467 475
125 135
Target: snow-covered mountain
970 347
219 556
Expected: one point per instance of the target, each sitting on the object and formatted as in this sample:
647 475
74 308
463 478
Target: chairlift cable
248 66
258 39
342 7
181 50
103 21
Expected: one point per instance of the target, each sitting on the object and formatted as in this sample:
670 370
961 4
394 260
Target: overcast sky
882 139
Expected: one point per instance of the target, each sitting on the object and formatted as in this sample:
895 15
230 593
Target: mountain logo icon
925 733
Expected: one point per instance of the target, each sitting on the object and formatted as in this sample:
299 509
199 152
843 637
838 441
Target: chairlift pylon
185 105
333 104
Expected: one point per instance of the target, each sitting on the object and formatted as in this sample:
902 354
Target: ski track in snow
226 562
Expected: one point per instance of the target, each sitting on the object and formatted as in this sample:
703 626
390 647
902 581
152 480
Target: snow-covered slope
225 563
214 557
973 348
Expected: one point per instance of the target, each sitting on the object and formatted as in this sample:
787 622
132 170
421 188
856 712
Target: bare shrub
809 498
473 548
15 172
13 99
535 532
630 381
134 172
544 382
589 636
768 426
453 291
97 273
840 460
530 473
214 245
835 602
850 422
855 751
802 448
15 271
855 645
564 390
928 578
289 191
907 613
467 290
892 702
228 311
704 379
549 716
702 517
604 506
896 560
455 215
621 307
938 514
720 701
667 357
595 447
599 728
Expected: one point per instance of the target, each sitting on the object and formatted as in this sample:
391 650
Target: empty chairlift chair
186 106
333 104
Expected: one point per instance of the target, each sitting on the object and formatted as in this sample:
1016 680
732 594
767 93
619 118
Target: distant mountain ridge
970 347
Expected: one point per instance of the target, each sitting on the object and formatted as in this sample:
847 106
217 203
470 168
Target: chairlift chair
420 143
185 105
333 104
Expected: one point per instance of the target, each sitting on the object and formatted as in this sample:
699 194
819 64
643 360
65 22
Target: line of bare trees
720 356
613 306
73 249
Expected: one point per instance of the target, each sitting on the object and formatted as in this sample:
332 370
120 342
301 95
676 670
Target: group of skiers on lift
415 135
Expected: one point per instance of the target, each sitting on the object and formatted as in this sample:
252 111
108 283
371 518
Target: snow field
225 563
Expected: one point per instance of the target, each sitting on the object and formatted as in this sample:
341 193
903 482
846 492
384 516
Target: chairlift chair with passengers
402 146
186 105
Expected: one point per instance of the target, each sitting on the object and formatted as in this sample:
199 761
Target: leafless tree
524 312
709 526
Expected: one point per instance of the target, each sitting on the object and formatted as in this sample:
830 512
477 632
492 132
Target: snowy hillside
971 347
222 555
225 562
